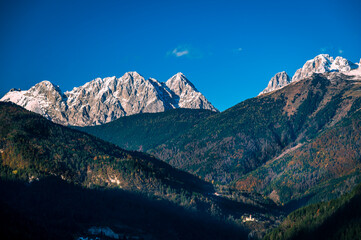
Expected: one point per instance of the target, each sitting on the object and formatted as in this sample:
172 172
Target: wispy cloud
180 52
185 51
340 51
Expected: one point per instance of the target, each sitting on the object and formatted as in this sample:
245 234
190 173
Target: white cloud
239 49
185 51
180 52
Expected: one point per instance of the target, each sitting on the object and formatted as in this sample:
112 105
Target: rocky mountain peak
45 86
178 83
322 63
103 100
278 81
132 75
342 65
186 94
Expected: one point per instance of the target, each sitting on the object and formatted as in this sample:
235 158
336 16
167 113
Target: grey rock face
320 64
104 100
323 63
185 93
279 80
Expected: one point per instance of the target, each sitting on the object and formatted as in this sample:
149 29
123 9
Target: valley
40 157
285 164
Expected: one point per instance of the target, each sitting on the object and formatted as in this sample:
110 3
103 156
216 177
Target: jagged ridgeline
320 64
103 100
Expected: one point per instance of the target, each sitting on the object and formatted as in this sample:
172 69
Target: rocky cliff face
103 100
279 80
186 92
322 63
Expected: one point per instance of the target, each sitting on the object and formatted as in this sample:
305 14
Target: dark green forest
145 131
336 219
34 151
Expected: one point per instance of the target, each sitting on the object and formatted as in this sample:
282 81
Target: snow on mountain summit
322 63
279 80
103 100
187 94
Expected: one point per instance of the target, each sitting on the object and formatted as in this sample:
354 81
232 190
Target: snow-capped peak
322 63
103 100
278 81
46 85
180 75
132 74
179 82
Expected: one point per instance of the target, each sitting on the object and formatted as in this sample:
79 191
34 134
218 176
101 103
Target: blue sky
228 49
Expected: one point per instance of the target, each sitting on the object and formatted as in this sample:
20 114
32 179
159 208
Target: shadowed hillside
34 150
336 219
144 132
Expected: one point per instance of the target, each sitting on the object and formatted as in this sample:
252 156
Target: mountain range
295 146
252 144
104 100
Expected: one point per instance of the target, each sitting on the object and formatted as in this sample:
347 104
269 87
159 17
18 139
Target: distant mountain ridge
104 100
322 63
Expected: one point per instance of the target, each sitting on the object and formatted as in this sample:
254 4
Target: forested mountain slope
321 168
144 132
228 145
336 219
251 143
51 176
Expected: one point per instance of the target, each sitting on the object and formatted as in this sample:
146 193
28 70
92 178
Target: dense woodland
34 150
320 169
145 131
336 219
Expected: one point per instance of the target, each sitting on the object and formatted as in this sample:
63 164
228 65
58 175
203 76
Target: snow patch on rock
103 100
322 63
